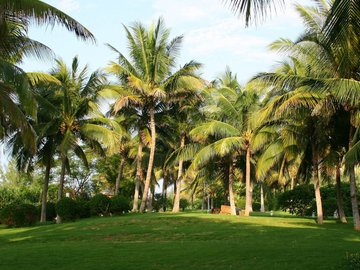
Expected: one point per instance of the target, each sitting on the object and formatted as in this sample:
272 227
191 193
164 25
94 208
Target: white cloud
69 5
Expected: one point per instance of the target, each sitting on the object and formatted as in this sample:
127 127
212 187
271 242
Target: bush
50 211
18 215
256 206
297 201
83 208
301 200
67 209
100 204
184 203
119 204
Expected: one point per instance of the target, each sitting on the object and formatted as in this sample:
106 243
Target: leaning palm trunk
45 191
342 216
231 188
138 178
151 160
317 187
61 185
262 207
248 205
119 176
354 201
179 178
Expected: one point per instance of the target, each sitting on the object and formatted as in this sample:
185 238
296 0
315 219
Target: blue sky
214 36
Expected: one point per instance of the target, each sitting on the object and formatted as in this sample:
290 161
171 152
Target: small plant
119 204
352 261
184 203
18 215
100 204
67 209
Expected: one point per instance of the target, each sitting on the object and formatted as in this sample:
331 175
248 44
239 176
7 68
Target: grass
179 241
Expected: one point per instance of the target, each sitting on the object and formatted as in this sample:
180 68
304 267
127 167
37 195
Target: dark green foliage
158 202
329 200
256 206
67 209
297 201
119 205
184 203
301 200
7 196
15 195
352 261
100 204
18 215
50 211
83 208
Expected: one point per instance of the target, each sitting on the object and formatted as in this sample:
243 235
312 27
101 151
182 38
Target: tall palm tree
68 118
148 78
15 17
227 130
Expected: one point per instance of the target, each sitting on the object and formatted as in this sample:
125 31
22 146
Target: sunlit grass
180 241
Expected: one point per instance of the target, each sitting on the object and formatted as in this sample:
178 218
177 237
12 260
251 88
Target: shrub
18 215
119 204
67 209
184 203
99 205
83 208
50 211
297 201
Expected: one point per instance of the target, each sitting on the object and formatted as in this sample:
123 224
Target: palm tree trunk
150 201
353 192
61 185
342 216
262 207
319 209
179 178
62 178
151 160
164 192
292 185
248 205
45 191
354 201
119 176
231 188
208 203
203 198
138 177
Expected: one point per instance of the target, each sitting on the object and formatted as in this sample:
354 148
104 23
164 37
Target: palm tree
339 81
68 119
148 78
15 17
41 13
227 130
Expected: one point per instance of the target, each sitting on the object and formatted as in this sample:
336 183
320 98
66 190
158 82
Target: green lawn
179 241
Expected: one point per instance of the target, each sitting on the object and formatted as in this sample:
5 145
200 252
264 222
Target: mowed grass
179 241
